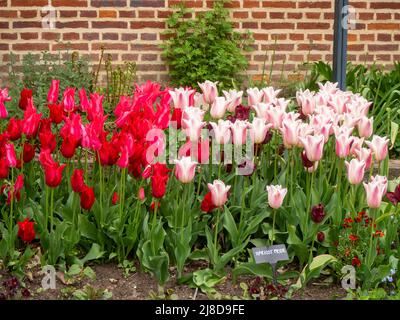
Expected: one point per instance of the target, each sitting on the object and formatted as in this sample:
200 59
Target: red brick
384 26
50 36
108 3
385 5
315 4
148 36
314 37
4 47
146 14
88 14
188 4
151 67
313 15
72 24
144 47
110 46
280 36
29 35
397 37
249 25
29 3
71 36
110 36
277 15
295 36
242 15
269 26
109 24
355 47
90 36
365 16
148 3
251 4
8 14
313 47
127 14
129 37
30 46
384 37
27 24
68 13
294 15
69 3
383 47
260 36
383 57
8 36
367 37
129 57
313 25
70 46
147 24
279 4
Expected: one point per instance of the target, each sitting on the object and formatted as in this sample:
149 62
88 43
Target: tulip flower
181 97
207 204
355 171
239 132
3 98
218 108
221 131
199 101
52 96
313 146
255 96
269 94
306 101
328 87
261 109
379 147
289 132
141 194
338 103
68 147
14 129
233 98
26 230
259 129
366 155
26 94
394 197
318 213
356 145
365 127
276 194
192 113
87 198
68 101
28 152
53 175
193 128
343 143
4 169
275 116
375 190
158 185
56 113
210 91
382 181
10 156
30 123
77 181
84 100
219 193
185 169
115 198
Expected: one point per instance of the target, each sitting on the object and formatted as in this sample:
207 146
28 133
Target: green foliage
37 71
205 48
376 85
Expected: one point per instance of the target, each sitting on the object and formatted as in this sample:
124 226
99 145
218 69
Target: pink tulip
233 98
239 132
328 87
313 168
382 181
84 100
221 131
259 129
313 146
269 94
306 101
192 128
261 109
355 171
68 101
276 194
141 194
218 108
343 143
338 102
219 193
185 169
355 145
289 132
303 130
192 113
365 127
52 96
366 155
210 91
254 96
275 116
181 97
3 98
199 101
379 147
281 103
11 158
375 191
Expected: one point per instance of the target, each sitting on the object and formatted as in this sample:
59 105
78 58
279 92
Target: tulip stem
370 249
51 209
101 191
311 250
199 182
273 226
11 218
276 158
216 233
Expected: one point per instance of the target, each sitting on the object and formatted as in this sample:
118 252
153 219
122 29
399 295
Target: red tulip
141 194
87 198
11 159
26 94
31 121
77 181
207 204
14 129
158 185
26 230
68 147
3 98
56 113
52 96
4 169
115 198
84 100
53 175
68 101
48 140
28 152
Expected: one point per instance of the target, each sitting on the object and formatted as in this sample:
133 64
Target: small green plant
128 267
91 293
38 70
205 48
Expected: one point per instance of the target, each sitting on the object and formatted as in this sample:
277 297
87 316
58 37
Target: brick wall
131 30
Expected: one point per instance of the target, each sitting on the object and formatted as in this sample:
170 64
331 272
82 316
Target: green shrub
205 48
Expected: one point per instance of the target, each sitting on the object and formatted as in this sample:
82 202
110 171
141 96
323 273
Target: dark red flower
158 185
28 152
56 113
207 204
242 113
177 117
14 129
26 230
321 236
153 205
394 197
68 147
318 213
115 198
87 198
23 100
306 163
52 95
356 262
48 140
347 222
379 234
77 181
4 169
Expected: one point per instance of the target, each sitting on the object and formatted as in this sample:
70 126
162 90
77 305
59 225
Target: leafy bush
374 84
37 71
205 48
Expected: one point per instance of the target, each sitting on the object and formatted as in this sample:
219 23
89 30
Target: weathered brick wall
131 30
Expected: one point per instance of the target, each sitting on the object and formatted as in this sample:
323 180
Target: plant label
271 254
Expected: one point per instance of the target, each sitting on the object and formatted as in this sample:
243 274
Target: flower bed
175 175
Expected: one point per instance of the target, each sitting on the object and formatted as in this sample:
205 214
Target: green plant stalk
243 203
216 233
370 249
276 158
199 182
273 226
338 184
51 209
272 63
11 217
101 191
